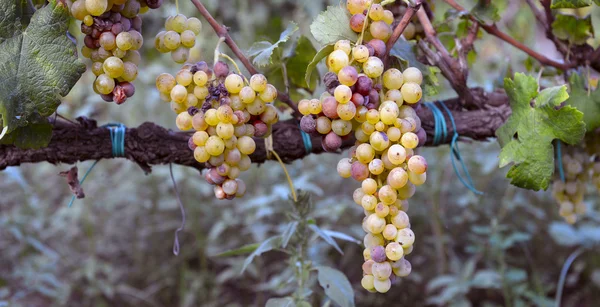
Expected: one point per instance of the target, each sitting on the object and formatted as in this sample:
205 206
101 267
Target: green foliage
570 4
39 64
336 286
262 51
588 102
486 12
34 136
323 52
526 137
404 53
297 64
572 29
268 245
333 25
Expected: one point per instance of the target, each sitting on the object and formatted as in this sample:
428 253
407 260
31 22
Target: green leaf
572 29
289 232
280 302
569 4
326 50
589 105
325 237
404 52
333 25
268 245
526 137
37 65
33 136
298 63
336 286
248 248
262 51
485 12
25 10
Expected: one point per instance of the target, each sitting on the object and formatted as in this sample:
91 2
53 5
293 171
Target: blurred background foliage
114 248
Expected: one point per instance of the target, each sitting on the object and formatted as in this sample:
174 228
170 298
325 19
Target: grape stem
362 32
400 28
223 32
270 150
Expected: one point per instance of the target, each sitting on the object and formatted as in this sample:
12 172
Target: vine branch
223 32
410 12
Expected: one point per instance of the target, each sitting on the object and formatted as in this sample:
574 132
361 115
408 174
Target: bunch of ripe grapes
376 106
112 37
178 37
225 111
570 193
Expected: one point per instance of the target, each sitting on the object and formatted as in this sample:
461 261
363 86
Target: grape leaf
324 52
486 12
526 137
297 64
333 25
32 136
589 105
569 4
573 29
336 286
262 51
37 64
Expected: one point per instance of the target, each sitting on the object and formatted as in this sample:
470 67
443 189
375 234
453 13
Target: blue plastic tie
117 139
441 135
561 171
307 142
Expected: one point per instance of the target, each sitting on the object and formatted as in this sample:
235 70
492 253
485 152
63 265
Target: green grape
393 134
402 268
379 140
314 106
258 82
79 10
346 111
247 95
104 84
225 130
337 60
88 20
188 38
97 68
200 154
169 23
131 9
342 93
230 143
372 116
413 74
94 7
390 231
376 12
382 270
130 71
270 116
348 76
179 23
388 17
361 136
86 52
184 121
246 145
124 41
200 78
179 93
417 164
344 168
164 97
180 55
380 30
104 54
369 186
172 40
405 237
395 96
409 140
375 224
409 31
159 42
357 6
393 79
184 77
388 113
397 178
215 145
191 101
225 114
257 107
343 45
341 127
113 67
369 202
201 92
387 195
417 179
137 40
304 106
373 67
107 40
394 251
165 83
193 24
397 154
411 92
177 108
400 220
368 282
199 137
234 83
358 195
382 210
376 167
269 94
360 53
119 53
365 153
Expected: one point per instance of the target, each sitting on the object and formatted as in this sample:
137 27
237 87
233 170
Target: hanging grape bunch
178 37
112 39
377 107
225 111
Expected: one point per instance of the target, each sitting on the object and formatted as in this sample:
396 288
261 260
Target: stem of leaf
362 33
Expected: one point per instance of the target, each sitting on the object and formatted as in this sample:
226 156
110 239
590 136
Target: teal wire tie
117 139
561 170
441 134
307 142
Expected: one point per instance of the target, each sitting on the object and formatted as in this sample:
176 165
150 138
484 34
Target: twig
410 12
223 32
539 15
493 30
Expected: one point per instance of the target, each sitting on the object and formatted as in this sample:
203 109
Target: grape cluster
377 106
178 37
570 193
112 37
225 111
